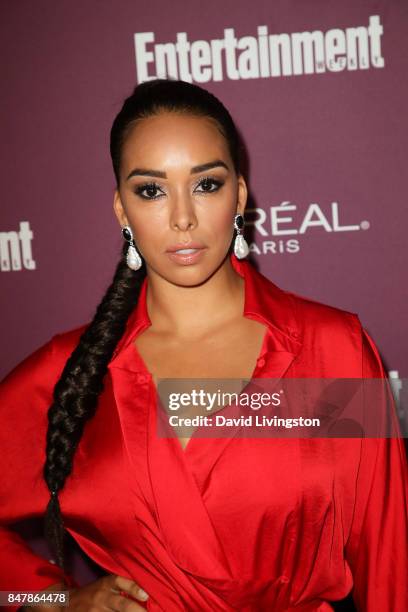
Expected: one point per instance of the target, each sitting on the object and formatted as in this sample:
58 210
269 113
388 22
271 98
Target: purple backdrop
322 109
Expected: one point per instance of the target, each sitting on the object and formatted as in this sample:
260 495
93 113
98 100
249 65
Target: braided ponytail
76 393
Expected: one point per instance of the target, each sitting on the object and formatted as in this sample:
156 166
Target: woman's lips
186 256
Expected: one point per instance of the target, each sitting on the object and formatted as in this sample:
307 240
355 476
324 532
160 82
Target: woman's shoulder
309 316
64 342
45 363
26 392
335 334
317 315
338 332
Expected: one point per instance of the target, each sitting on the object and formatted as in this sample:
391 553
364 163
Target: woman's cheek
147 230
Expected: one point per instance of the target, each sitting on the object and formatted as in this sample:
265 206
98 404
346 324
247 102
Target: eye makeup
153 186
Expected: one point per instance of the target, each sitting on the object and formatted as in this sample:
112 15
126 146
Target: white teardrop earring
133 259
241 248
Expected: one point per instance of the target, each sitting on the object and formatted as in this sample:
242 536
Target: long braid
76 392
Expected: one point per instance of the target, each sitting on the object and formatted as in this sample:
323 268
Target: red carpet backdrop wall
319 91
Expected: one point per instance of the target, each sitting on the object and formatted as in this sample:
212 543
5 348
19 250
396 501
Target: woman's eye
151 190
207 183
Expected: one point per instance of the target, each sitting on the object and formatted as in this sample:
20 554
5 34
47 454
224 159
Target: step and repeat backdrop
319 91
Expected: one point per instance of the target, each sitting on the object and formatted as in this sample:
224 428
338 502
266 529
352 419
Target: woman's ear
242 195
119 210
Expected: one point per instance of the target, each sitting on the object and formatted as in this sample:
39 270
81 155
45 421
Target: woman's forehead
171 138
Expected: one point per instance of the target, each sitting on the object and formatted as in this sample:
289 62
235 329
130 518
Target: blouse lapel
132 395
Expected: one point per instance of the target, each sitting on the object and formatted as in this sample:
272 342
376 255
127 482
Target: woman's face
169 201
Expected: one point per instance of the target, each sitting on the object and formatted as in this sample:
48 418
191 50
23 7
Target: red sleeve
377 549
25 396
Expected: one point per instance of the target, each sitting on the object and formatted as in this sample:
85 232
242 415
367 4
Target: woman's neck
191 311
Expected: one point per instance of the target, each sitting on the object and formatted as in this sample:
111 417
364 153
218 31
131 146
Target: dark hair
75 395
152 97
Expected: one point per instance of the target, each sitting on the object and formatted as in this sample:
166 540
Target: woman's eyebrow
159 174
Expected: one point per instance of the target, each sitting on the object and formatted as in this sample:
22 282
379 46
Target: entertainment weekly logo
262 56
15 249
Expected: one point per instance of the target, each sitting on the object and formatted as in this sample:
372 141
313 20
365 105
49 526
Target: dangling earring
133 258
241 248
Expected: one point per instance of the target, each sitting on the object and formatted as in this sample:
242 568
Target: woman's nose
182 214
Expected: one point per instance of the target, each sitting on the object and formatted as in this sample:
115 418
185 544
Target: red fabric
228 524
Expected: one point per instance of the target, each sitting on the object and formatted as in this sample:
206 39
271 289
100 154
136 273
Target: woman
208 523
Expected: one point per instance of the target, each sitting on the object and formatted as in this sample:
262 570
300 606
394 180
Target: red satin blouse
229 524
